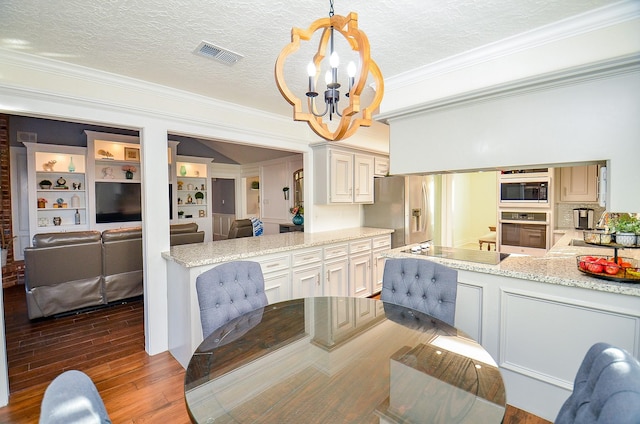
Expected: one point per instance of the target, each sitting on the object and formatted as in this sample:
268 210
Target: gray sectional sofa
79 269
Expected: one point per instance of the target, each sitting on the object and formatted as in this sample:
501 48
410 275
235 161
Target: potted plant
128 171
199 196
626 228
180 214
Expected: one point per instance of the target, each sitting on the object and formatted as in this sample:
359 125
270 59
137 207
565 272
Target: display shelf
188 187
64 167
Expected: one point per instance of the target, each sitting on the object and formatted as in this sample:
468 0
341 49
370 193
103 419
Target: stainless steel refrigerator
406 204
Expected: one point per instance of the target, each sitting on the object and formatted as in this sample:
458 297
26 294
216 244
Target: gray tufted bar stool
606 389
228 291
422 285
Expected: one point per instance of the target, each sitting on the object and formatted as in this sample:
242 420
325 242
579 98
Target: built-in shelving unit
113 172
192 195
57 188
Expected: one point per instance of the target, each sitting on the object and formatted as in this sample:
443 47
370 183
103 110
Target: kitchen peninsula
537 316
346 262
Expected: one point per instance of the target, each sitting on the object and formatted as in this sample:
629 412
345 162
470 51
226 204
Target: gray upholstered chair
228 291
422 285
606 389
240 228
72 398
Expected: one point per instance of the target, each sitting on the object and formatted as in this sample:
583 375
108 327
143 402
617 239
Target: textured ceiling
153 40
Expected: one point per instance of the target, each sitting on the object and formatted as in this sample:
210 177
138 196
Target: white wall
583 120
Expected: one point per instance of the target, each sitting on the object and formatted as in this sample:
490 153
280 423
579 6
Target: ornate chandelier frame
347 26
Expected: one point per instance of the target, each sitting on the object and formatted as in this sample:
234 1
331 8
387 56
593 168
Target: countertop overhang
558 266
214 252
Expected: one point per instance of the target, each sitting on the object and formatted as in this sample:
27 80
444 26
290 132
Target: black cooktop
478 256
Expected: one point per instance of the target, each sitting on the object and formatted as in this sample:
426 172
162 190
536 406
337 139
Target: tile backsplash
564 213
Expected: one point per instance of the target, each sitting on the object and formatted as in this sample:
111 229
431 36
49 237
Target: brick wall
11 270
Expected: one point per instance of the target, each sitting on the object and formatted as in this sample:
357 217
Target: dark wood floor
108 345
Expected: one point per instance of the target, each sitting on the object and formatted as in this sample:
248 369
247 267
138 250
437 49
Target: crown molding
580 24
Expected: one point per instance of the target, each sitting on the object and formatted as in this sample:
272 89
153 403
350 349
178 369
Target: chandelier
348 111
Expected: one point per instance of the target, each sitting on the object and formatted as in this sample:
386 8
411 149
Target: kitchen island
537 316
345 262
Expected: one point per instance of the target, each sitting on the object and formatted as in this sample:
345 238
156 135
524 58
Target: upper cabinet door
363 169
579 184
341 179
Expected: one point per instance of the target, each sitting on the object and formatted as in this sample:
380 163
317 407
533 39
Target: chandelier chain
331 13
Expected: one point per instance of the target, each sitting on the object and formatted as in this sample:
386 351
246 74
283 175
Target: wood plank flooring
108 345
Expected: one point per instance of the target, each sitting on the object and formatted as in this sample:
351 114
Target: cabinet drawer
273 263
359 246
382 242
307 257
336 251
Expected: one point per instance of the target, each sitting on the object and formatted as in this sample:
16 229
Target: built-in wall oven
524 232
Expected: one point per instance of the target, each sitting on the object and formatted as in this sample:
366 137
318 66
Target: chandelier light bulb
327 77
334 60
311 69
351 69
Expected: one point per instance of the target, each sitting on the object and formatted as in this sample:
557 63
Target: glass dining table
342 360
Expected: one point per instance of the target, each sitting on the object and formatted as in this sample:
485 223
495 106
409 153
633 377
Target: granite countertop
558 266
213 252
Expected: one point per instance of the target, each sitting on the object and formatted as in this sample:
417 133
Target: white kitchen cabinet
277 276
343 175
363 178
579 183
306 273
336 270
360 284
380 244
381 166
307 281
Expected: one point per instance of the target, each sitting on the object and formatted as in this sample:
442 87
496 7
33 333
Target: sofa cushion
64 239
121 234
191 227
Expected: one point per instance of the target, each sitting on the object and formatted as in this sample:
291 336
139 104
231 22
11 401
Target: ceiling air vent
212 51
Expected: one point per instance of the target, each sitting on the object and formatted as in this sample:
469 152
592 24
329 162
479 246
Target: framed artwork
131 153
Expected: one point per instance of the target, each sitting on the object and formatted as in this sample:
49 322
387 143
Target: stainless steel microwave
525 190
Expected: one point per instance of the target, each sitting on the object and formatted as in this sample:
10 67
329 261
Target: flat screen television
118 202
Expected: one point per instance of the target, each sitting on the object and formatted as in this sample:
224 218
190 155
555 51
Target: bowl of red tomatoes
610 268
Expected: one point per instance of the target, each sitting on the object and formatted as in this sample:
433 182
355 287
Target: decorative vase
183 170
57 220
72 167
297 219
128 175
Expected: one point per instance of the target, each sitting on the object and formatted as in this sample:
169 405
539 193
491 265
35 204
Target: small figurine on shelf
189 200
107 173
180 183
105 154
48 166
